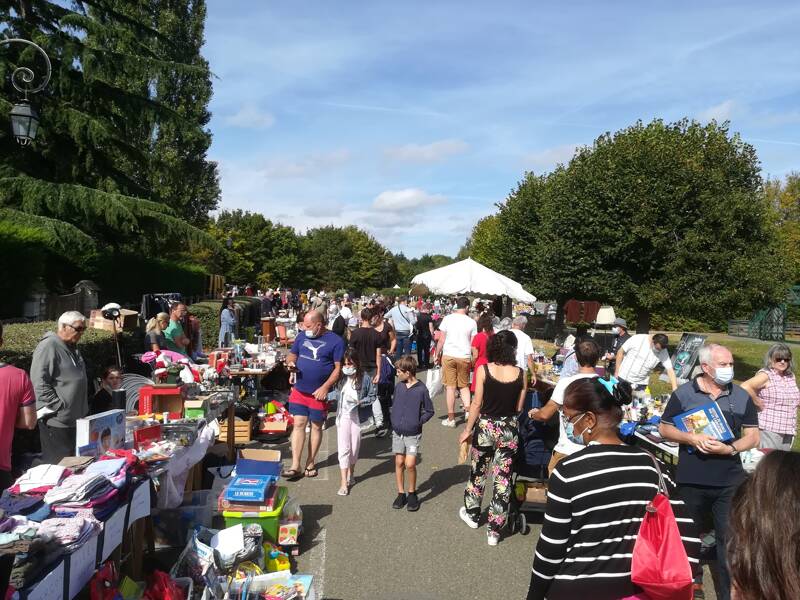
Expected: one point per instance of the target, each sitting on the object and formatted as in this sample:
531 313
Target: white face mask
723 375
310 333
350 370
615 330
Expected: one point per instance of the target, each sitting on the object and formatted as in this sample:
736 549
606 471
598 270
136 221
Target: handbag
433 381
660 566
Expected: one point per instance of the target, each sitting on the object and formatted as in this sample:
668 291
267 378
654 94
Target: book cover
243 506
104 431
252 488
707 419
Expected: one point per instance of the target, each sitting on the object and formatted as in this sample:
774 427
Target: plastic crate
269 521
173 526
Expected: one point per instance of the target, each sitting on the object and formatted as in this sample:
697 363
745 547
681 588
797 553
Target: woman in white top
353 389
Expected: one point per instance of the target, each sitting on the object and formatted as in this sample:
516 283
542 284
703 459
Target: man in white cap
621 335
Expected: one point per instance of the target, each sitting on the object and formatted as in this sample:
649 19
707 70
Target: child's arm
427 407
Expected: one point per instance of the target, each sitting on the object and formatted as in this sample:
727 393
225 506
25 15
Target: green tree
670 218
785 198
486 244
84 183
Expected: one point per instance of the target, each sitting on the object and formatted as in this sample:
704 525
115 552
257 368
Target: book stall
136 479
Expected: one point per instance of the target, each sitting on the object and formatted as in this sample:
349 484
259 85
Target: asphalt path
359 547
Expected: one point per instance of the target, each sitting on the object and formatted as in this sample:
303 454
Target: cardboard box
536 492
157 400
97 433
252 461
128 320
274 427
195 409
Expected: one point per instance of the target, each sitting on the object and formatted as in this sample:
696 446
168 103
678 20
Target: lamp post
24 118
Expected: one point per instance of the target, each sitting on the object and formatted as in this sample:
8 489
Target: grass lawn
748 356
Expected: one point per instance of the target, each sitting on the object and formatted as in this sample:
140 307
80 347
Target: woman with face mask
596 501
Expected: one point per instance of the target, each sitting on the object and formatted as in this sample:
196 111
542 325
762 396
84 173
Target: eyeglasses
76 329
783 360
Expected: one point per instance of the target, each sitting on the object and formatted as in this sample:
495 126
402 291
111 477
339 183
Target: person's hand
532 413
759 404
291 366
702 442
292 377
321 393
717 447
376 379
465 435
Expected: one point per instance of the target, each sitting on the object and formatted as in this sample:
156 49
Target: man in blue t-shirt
315 361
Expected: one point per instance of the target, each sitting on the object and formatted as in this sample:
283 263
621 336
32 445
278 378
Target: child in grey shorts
412 407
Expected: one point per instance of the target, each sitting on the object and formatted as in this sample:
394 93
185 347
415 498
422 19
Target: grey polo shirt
711 470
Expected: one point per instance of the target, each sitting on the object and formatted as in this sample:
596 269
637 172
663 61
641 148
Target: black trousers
57 442
703 500
424 352
385 396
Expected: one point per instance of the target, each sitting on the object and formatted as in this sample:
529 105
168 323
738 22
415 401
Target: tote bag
433 381
660 565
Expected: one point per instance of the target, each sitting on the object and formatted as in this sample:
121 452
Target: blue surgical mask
723 375
569 429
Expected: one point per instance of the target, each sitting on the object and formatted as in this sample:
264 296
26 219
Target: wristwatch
734 451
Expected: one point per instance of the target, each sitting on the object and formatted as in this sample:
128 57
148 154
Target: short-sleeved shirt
565 446
459 330
402 317
366 341
174 331
315 359
524 348
713 470
154 337
16 391
640 359
423 326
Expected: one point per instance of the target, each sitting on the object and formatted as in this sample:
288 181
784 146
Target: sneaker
343 491
413 502
449 422
492 538
462 512
399 502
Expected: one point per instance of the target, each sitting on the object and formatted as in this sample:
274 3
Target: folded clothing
18 534
76 463
114 469
78 488
72 532
31 564
40 479
16 504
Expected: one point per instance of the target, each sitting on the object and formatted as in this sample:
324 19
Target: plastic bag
433 381
104 584
660 565
161 586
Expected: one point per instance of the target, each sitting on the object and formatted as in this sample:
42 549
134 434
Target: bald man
316 360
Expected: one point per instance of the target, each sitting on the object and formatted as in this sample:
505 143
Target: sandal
311 472
291 474
343 491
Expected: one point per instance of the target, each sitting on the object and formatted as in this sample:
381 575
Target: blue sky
412 119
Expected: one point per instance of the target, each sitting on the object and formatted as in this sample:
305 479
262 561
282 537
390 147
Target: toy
276 560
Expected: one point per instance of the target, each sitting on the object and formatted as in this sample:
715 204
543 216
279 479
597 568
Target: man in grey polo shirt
709 471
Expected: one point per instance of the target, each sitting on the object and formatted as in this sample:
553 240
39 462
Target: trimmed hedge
207 312
23 250
124 278
96 346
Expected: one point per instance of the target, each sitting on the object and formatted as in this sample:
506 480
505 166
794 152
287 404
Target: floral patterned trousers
494 444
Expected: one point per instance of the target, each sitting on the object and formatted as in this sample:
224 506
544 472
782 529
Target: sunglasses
783 360
77 329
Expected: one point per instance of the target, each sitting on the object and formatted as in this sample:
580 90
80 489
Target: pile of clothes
33 552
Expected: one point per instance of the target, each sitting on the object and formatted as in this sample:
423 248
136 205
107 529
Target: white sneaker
449 422
492 538
462 512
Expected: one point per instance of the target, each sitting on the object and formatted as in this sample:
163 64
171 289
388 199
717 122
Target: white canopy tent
469 276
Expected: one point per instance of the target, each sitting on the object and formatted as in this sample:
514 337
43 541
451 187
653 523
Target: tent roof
469 276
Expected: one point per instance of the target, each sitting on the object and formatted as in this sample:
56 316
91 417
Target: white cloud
433 152
250 116
310 165
402 200
719 112
547 159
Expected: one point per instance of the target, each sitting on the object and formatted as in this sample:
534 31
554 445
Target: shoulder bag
660 565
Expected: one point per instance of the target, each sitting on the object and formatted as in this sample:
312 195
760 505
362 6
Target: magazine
707 419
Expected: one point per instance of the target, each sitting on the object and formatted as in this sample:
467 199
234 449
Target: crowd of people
599 487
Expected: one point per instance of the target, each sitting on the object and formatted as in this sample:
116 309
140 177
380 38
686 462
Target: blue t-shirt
315 359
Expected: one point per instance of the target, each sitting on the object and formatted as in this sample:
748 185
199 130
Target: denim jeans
403 344
700 500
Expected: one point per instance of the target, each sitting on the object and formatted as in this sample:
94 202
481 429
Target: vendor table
70 574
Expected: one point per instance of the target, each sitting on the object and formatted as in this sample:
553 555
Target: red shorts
305 405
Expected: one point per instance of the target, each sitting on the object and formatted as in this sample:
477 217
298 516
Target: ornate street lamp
24 119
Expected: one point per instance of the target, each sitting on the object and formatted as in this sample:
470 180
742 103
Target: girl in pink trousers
356 390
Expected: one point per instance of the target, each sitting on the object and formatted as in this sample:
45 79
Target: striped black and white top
595 505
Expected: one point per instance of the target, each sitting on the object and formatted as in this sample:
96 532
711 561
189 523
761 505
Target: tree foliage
119 164
784 197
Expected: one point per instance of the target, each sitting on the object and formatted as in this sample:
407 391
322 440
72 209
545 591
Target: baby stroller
536 443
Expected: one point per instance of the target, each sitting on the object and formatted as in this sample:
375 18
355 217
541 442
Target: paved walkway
360 548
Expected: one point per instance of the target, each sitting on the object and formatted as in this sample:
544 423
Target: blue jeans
403 344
